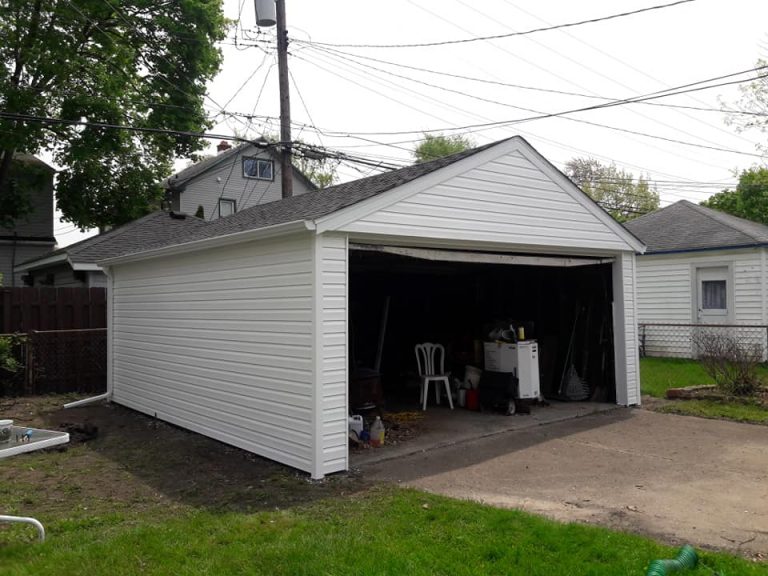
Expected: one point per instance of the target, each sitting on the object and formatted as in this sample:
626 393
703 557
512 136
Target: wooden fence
27 309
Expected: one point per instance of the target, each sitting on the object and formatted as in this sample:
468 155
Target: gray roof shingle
317 203
685 226
126 239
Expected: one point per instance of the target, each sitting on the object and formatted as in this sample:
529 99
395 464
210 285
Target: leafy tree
613 189
753 102
437 146
140 63
749 200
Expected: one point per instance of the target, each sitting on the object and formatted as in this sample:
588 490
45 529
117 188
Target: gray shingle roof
685 226
315 204
126 239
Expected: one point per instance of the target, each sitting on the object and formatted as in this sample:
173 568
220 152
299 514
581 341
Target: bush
730 363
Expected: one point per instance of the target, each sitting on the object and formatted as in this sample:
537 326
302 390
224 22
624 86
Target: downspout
108 394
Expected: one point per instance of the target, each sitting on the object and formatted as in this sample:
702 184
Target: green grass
659 374
738 412
384 531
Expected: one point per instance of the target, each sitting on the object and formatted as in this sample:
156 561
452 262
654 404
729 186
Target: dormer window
227 207
258 168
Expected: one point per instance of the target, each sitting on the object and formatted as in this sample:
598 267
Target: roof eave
42 263
706 249
214 242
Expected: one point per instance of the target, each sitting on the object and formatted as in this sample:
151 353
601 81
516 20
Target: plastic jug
377 432
356 424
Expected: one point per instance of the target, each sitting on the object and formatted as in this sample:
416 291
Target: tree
613 189
310 160
752 108
437 146
120 62
749 200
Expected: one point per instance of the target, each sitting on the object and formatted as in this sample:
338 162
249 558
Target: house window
713 295
227 207
258 168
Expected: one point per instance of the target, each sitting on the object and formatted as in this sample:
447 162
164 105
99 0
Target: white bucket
5 431
472 375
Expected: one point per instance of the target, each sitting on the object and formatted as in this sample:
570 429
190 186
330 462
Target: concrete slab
443 427
678 478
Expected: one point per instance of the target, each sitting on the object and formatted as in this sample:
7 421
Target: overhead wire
511 34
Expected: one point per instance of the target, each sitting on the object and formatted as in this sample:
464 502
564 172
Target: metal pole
286 167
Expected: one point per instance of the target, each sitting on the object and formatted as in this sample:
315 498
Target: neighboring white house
701 266
240 329
236 178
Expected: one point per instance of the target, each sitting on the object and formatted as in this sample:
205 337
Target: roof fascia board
58 258
581 197
345 216
214 242
709 249
86 267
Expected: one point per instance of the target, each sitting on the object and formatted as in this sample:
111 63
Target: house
245 328
701 266
31 235
236 178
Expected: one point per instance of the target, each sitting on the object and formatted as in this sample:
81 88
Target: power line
500 36
524 87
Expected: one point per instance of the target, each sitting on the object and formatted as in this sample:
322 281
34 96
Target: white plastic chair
425 358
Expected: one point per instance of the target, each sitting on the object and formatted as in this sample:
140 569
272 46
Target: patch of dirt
120 461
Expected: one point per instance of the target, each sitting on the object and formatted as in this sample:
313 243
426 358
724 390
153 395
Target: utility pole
286 167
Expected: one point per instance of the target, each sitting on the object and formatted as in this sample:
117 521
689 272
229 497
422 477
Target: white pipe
86 401
26 520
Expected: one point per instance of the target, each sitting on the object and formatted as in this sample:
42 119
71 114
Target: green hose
686 558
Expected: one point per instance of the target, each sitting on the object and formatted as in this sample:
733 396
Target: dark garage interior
398 301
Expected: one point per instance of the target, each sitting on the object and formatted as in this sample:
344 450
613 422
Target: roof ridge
724 219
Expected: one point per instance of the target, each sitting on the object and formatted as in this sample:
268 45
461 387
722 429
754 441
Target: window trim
234 206
257 177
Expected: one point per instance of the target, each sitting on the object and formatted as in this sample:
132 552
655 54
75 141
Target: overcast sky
372 102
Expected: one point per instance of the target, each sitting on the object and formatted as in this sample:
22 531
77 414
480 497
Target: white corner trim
341 218
214 242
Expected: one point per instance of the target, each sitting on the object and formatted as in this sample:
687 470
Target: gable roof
128 238
179 180
317 204
685 226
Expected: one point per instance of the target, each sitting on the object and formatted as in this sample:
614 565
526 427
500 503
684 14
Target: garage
251 329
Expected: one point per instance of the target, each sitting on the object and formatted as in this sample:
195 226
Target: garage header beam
480 257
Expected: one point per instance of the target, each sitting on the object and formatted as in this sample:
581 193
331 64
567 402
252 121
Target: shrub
731 364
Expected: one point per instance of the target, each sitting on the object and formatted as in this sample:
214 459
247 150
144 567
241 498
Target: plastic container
356 424
5 431
377 432
473 399
472 375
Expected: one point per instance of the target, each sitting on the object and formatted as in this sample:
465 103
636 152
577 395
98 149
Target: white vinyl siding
332 278
507 200
220 342
226 181
667 293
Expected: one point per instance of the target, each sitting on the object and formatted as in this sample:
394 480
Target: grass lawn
384 530
657 375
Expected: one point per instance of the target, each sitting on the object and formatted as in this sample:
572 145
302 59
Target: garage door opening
400 297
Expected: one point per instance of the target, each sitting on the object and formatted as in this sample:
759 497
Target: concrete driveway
678 478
